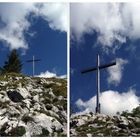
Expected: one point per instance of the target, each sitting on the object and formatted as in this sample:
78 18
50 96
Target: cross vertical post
98 85
33 65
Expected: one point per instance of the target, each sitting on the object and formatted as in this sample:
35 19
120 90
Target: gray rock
136 130
133 134
103 125
89 135
122 125
137 120
100 134
15 96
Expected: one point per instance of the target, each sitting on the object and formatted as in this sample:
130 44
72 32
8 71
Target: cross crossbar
36 60
100 67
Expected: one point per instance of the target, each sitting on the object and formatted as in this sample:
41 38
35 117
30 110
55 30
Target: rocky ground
32 106
99 125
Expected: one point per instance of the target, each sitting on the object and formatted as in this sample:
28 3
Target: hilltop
32 106
101 125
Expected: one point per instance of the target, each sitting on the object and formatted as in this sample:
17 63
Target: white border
70 1
68 73
71 138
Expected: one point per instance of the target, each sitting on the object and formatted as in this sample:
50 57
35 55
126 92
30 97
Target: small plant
18 131
136 111
125 113
45 133
3 128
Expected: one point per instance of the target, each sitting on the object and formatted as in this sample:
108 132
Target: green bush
45 133
136 111
18 131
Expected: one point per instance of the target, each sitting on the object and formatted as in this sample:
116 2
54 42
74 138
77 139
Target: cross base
98 108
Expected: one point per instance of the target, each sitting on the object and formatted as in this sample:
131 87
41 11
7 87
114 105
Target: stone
15 96
80 122
137 119
133 134
100 134
136 130
131 118
89 135
122 125
109 122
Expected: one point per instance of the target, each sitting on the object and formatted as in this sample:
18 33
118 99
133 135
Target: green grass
62 103
12 83
57 90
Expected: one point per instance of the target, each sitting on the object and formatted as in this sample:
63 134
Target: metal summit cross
98 68
33 61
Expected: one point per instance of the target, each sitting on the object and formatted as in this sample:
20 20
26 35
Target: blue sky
38 31
110 36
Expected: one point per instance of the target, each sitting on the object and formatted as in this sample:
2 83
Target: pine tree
13 64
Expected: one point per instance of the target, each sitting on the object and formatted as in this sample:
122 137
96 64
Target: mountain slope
99 125
32 106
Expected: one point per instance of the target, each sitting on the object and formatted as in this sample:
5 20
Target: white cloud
56 15
62 76
49 74
115 72
14 22
112 21
111 102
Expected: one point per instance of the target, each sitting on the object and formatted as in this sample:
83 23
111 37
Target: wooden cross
98 68
33 61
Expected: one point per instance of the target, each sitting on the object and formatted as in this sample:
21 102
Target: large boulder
15 96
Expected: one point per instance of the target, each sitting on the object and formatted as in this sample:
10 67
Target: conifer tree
13 64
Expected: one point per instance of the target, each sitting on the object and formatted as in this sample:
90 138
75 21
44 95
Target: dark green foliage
125 113
136 111
45 133
3 128
18 131
58 90
13 64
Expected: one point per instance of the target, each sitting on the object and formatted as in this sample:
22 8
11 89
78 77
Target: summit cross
98 68
33 61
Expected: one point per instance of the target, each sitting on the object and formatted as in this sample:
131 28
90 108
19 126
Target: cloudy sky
112 30
38 29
